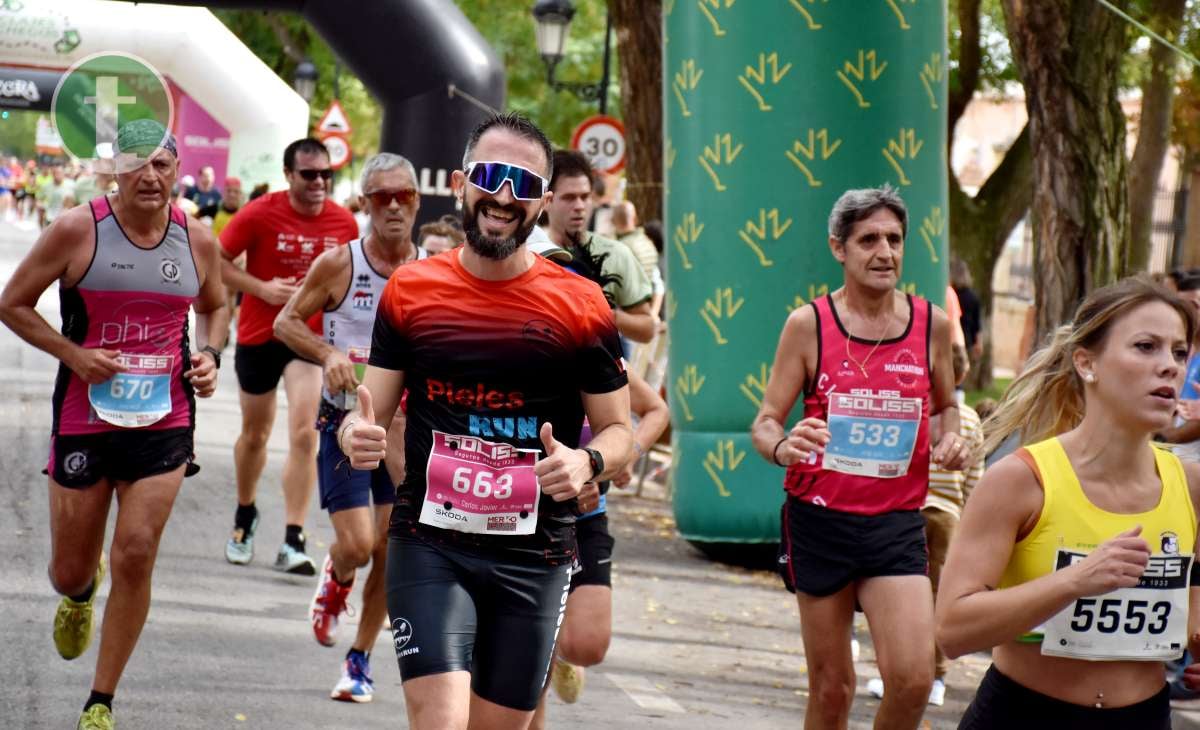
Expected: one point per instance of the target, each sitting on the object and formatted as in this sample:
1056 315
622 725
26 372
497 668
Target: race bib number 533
1145 623
871 435
473 485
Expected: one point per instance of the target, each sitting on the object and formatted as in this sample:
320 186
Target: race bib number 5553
473 485
1145 623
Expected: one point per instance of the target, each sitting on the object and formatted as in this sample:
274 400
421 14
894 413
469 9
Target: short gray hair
382 162
854 205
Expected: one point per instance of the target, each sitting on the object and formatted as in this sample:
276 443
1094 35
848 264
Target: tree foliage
282 40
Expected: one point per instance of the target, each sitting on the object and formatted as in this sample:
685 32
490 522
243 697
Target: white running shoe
937 693
875 687
291 560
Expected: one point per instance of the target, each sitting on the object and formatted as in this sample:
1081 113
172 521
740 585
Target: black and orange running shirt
494 360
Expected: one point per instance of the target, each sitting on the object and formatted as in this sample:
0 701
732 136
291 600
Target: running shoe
356 684
73 620
937 693
240 548
296 562
875 687
327 604
567 680
96 717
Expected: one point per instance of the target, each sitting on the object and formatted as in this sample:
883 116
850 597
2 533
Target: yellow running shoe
567 680
73 626
96 717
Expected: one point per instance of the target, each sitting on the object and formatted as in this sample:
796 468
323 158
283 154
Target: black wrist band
775 452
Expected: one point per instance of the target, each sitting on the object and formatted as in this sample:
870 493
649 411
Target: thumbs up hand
359 438
564 471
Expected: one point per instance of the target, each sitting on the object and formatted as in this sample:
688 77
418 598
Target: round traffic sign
100 96
339 150
602 140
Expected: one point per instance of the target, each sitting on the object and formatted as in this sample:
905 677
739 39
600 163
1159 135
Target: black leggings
454 610
1002 704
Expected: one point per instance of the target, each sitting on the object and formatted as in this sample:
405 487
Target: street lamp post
304 80
553 19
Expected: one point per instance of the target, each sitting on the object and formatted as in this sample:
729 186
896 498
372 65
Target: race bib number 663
474 485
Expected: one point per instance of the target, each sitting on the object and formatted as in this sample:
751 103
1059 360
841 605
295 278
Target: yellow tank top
1070 522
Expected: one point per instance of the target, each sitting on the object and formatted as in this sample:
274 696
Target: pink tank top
878 458
133 300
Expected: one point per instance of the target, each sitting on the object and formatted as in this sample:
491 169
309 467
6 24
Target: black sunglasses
311 175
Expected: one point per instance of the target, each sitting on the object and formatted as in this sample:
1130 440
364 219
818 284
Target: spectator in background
231 201
94 184
600 221
566 217
625 226
18 182
972 318
7 185
59 197
205 194
1185 434
258 191
361 217
179 198
43 180
439 236
948 492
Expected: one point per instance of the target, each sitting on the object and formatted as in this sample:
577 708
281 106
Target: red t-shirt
279 242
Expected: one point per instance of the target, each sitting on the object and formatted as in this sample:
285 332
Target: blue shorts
345 488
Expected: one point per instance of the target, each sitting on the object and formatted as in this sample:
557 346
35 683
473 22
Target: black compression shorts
1002 704
127 455
593 553
452 610
259 367
821 551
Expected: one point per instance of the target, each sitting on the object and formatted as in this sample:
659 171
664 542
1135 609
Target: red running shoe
327 605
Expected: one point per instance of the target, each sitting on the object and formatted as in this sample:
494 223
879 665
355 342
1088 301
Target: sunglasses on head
311 175
384 198
490 177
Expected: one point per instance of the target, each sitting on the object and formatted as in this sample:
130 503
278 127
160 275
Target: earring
1089 377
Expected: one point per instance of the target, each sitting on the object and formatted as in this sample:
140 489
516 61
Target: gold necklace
862 366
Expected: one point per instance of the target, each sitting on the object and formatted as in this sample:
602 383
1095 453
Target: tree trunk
638 25
1069 55
1158 93
979 227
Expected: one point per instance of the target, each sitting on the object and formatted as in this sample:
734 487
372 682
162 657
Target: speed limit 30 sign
602 140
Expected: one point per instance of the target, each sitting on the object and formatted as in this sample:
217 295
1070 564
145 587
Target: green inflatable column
772 109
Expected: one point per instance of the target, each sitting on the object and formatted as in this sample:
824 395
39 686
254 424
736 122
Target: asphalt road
696 645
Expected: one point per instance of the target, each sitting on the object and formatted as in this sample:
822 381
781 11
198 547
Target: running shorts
593 553
821 551
1002 704
345 488
127 455
452 610
259 367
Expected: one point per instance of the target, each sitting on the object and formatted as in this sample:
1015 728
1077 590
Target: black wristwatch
597 463
216 355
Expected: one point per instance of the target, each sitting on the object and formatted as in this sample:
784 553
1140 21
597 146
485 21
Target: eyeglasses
490 176
311 175
384 198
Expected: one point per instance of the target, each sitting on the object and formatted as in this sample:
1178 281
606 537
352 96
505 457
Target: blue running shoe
356 684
